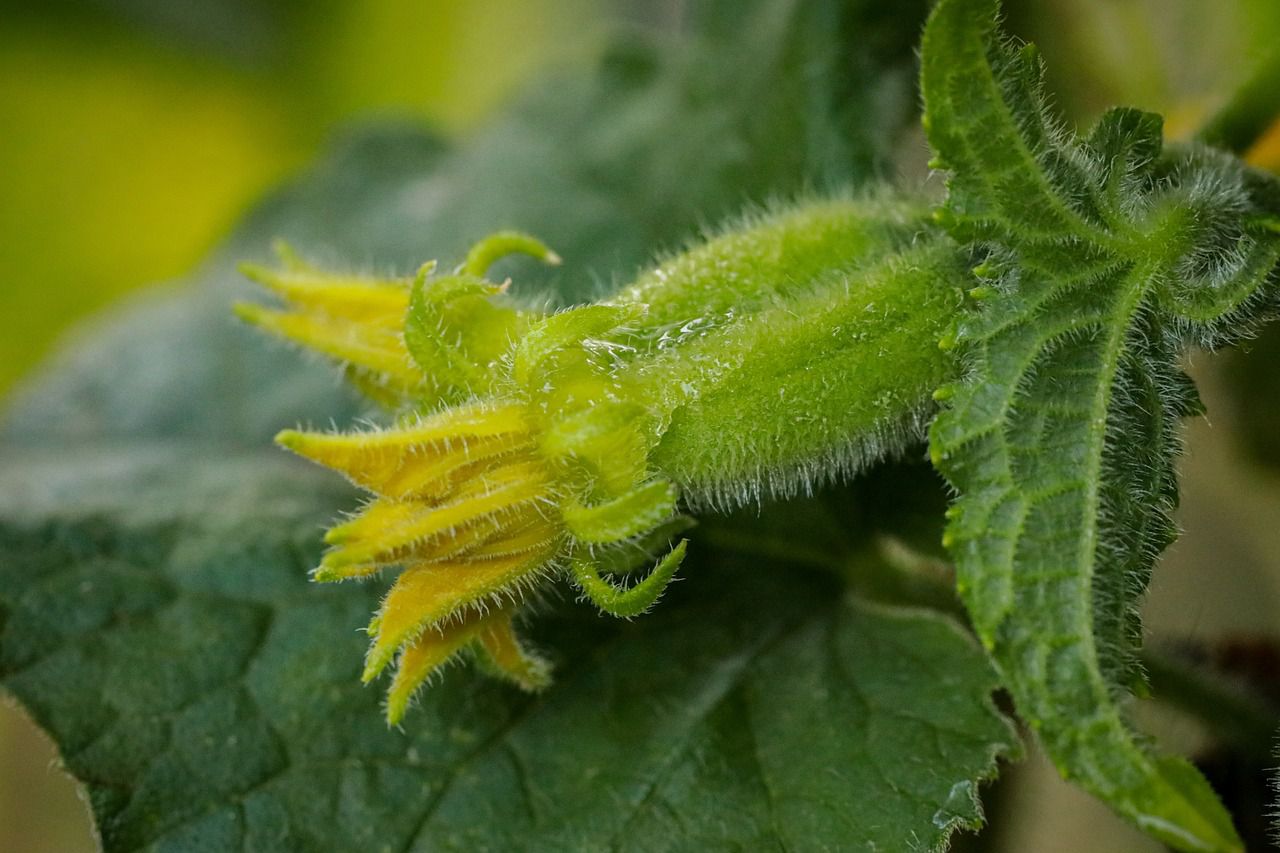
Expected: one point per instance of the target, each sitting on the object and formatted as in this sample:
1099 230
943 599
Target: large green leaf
155 615
156 618
1107 256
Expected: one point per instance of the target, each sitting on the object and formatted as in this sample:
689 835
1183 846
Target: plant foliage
1104 258
805 683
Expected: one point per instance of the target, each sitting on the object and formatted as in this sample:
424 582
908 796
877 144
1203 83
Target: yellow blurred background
135 133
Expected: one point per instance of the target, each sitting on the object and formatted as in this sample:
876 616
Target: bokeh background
134 134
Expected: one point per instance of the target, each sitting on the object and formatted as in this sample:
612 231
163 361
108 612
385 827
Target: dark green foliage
160 625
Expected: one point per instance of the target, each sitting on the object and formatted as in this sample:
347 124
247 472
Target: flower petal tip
290 439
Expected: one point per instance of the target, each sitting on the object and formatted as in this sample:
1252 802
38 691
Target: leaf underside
1105 257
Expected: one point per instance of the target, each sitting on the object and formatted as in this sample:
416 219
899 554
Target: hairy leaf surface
1104 258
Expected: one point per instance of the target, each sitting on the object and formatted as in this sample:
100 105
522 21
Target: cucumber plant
1028 329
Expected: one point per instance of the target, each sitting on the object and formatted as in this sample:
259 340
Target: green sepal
629 601
497 246
456 333
624 517
542 349
611 440
625 557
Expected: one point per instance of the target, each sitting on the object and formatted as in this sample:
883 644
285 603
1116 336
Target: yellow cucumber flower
530 445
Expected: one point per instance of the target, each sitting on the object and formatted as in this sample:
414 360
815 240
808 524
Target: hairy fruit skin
527 445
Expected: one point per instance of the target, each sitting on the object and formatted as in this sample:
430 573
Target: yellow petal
429 472
436 478
425 655
430 592
357 298
518 537
490 536
505 655
389 531
327 574
369 347
373 520
520 532
417 459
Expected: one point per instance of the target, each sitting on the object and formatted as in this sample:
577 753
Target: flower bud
529 445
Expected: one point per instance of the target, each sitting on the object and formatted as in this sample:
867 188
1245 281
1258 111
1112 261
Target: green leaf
160 625
1105 257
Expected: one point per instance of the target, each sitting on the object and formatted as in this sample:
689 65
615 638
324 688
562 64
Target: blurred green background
134 134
